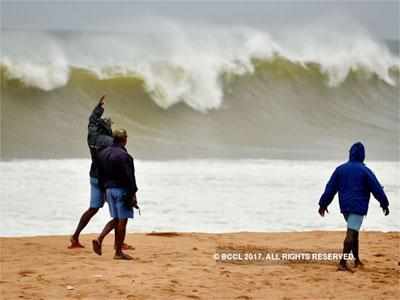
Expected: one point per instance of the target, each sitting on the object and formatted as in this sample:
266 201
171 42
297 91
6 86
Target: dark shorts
97 195
116 202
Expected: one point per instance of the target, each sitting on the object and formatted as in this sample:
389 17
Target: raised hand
102 100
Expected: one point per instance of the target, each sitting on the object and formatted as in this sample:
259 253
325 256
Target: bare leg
120 231
120 235
106 230
85 218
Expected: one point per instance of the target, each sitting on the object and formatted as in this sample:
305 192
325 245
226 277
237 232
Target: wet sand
183 266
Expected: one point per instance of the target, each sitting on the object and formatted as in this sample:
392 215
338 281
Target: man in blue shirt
354 182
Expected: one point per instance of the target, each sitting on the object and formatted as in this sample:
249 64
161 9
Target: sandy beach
183 266
236 125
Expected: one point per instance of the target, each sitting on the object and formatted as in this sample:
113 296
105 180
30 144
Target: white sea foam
40 197
184 62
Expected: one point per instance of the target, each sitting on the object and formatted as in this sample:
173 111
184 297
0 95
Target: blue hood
357 152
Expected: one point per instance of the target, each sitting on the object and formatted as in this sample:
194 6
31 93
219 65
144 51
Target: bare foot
75 244
123 256
96 247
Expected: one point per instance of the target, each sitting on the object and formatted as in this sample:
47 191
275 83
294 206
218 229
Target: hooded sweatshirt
354 182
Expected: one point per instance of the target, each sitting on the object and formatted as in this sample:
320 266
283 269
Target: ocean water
202 91
234 127
42 197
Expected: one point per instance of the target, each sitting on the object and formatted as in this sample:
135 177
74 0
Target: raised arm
97 113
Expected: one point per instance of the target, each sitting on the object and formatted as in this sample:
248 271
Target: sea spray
181 62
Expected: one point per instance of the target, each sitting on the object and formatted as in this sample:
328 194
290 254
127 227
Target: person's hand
102 99
131 201
134 202
322 211
385 211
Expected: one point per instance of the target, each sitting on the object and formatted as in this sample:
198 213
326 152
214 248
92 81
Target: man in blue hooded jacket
354 182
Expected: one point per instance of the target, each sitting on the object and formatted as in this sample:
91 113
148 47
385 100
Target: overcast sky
379 17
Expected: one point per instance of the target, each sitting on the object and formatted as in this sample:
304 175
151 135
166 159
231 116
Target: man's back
116 168
353 177
354 182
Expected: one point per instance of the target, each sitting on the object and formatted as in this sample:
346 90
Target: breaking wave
305 94
191 64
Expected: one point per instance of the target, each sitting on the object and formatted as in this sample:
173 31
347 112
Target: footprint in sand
266 282
30 244
379 281
131 297
26 273
146 261
243 297
203 286
41 279
193 296
379 255
226 273
27 287
170 290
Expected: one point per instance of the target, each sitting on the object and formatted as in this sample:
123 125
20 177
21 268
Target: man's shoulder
119 152
103 140
351 166
115 152
342 166
128 156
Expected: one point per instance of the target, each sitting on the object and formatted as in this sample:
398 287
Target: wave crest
188 64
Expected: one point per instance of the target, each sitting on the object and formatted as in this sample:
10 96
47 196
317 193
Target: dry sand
182 266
